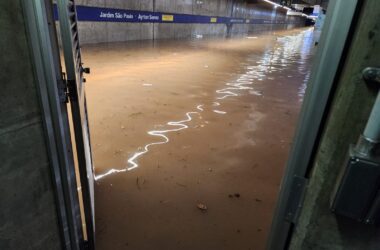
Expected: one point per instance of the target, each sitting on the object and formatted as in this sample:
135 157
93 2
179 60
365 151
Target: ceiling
323 3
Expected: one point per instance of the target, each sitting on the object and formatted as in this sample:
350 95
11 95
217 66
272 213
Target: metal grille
74 71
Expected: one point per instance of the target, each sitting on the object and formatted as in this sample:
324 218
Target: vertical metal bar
332 43
154 24
72 56
372 129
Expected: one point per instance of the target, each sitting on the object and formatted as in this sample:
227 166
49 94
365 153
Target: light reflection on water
219 112
178 125
287 51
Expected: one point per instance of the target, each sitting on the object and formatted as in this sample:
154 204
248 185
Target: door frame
329 59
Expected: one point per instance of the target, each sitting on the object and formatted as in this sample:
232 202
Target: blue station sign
98 14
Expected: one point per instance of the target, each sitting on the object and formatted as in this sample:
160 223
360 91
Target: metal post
369 142
372 129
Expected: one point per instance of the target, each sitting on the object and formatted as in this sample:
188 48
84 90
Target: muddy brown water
177 126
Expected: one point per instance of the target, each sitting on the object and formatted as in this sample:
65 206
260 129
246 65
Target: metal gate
76 93
57 91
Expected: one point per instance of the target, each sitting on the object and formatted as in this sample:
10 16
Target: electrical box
357 191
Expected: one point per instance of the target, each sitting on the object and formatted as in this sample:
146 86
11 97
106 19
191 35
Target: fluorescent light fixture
307 16
277 5
294 13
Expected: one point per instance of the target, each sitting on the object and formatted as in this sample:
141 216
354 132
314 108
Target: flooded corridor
190 138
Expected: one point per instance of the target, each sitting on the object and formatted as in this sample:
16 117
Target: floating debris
138 183
118 151
180 184
202 207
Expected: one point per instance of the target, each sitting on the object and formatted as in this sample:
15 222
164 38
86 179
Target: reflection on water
287 52
302 87
219 112
178 125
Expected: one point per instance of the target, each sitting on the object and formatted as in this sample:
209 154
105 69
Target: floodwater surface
190 138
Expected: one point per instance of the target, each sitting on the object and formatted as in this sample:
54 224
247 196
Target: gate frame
45 55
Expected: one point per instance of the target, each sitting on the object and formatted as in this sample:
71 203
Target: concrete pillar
318 227
28 215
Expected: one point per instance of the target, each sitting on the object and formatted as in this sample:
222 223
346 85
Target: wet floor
190 138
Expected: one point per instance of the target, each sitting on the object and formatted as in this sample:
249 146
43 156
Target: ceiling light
275 4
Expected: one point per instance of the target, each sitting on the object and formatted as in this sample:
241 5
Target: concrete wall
101 32
319 228
28 218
